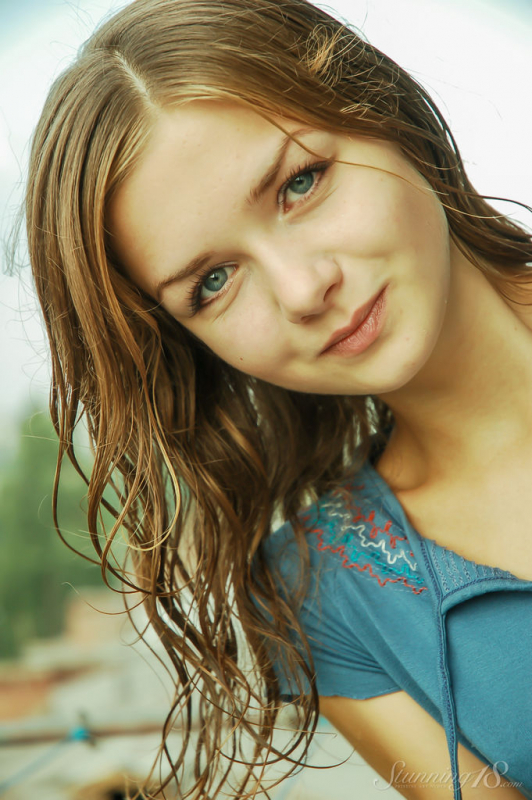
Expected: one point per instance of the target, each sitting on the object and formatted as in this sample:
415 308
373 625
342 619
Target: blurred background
80 705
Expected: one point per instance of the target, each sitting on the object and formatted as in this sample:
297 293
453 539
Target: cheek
247 341
382 214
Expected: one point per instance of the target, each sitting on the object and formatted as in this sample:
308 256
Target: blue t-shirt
390 610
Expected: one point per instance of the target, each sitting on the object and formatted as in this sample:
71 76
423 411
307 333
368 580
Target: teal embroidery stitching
345 530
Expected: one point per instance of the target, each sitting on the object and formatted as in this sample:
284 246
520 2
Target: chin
402 373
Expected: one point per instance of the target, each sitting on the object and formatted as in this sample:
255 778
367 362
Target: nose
302 281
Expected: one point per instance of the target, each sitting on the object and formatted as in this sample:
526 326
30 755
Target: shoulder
351 530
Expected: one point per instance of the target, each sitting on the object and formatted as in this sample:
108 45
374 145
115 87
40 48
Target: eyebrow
255 195
262 186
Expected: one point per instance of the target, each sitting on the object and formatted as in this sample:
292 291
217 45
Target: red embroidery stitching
356 516
352 488
351 565
375 529
351 513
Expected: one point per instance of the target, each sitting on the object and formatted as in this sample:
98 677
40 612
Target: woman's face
270 253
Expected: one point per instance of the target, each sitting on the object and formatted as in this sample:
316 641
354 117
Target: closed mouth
356 321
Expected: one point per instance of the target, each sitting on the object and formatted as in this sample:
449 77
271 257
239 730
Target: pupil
302 183
216 280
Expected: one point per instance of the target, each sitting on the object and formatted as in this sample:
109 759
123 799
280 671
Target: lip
361 316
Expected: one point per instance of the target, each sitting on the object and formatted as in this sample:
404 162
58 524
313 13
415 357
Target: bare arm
400 741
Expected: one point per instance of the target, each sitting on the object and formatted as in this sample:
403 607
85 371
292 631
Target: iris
216 280
302 183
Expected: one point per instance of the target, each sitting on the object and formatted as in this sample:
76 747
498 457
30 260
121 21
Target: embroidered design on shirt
344 529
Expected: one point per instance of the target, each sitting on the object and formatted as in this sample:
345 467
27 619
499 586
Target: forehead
192 176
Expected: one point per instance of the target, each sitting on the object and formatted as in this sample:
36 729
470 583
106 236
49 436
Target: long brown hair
200 456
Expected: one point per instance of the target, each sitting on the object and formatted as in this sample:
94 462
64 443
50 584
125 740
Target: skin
453 359
303 267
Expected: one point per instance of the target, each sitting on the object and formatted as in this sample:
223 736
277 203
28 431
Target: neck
471 403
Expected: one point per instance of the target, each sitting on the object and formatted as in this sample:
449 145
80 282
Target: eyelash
309 167
194 299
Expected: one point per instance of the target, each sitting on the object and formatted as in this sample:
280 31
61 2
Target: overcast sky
474 56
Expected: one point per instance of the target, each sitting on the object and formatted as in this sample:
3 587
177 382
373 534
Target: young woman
279 304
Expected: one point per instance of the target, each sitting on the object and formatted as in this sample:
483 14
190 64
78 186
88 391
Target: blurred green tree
36 568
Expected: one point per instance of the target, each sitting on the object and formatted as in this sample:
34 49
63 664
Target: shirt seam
484 579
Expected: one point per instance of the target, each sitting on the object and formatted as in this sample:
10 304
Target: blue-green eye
302 183
208 285
215 280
